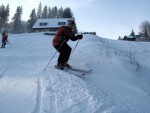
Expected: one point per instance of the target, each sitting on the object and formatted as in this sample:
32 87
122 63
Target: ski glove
79 36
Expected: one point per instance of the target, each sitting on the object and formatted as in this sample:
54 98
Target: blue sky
108 18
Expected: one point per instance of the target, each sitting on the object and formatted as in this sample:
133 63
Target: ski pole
75 46
54 54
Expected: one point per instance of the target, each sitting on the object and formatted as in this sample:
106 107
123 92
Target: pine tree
67 13
49 14
7 12
17 27
44 13
2 17
6 17
60 12
4 14
132 33
39 13
54 12
119 38
32 20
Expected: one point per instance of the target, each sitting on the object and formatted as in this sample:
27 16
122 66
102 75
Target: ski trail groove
37 108
3 69
49 101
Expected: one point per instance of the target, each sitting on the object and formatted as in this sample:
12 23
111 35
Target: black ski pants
3 44
64 51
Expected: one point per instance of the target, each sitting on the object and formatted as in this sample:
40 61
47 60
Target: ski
75 73
79 70
70 71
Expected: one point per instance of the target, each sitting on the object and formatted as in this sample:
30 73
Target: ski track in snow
37 108
3 69
49 98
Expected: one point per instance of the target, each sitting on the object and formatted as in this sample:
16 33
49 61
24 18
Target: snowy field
119 82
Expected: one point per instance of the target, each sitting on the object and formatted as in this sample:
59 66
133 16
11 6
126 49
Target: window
43 24
61 23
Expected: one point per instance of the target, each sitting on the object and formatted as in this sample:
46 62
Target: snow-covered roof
51 22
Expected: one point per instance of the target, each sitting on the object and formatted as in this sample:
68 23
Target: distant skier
4 39
60 43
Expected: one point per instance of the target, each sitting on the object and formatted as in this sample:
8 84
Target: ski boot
60 66
67 65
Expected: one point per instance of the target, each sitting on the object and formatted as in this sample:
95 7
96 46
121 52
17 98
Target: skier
60 40
4 39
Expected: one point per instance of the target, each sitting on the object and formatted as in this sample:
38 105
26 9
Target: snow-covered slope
119 82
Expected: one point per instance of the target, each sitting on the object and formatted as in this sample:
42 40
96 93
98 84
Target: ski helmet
71 22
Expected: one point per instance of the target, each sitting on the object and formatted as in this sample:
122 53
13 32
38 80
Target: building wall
45 29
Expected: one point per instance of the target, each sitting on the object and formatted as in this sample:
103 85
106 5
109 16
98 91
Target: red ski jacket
4 37
64 33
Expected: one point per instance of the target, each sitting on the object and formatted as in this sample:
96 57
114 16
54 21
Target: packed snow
119 82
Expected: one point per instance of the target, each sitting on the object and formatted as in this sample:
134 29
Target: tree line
17 25
144 32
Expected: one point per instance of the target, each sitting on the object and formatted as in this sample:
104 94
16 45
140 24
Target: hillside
119 82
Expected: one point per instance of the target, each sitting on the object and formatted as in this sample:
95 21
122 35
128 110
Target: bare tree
145 30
